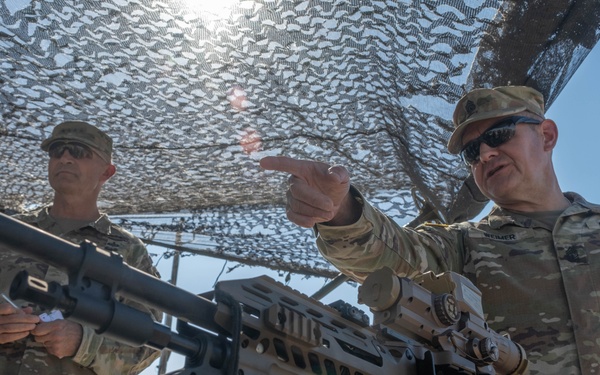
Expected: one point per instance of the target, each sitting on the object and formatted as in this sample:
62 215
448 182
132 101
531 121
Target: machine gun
259 326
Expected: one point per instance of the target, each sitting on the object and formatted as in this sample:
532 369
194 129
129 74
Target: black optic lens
76 150
499 133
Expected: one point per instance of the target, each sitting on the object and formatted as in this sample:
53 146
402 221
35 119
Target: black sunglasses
76 149
497 134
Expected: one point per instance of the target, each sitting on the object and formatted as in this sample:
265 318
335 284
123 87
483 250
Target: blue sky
576 111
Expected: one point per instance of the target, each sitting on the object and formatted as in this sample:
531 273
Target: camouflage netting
194 96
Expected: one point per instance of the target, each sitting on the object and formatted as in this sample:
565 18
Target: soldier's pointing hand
317 192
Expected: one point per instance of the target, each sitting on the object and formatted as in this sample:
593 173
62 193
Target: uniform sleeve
376 241
108 357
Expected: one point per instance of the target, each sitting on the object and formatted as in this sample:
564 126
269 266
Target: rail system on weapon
433 325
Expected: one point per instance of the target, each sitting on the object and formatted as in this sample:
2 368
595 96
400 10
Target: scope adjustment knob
446 309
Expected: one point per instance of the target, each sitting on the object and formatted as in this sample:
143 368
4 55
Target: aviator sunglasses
499 133
76 150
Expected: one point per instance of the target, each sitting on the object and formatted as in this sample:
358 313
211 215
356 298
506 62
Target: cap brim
48 142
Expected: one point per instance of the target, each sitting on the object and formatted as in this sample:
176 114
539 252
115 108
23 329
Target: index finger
290 165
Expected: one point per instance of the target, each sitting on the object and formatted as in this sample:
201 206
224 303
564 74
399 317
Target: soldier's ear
549 131
108 172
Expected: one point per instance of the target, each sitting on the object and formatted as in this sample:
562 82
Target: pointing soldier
535 256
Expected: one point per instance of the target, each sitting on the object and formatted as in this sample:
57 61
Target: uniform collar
499 217
45 221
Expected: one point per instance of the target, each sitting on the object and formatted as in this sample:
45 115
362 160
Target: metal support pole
164 357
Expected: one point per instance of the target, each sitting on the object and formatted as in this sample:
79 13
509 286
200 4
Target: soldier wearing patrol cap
80 163
79 132
535 257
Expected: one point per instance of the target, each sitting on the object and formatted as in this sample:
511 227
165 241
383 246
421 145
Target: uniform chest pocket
576 247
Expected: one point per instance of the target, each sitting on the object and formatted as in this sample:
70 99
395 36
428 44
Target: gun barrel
129 282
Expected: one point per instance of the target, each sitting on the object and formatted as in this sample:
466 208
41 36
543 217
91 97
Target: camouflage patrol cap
82 132
483 104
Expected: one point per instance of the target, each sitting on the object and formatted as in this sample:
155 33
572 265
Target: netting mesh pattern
253 235
194 97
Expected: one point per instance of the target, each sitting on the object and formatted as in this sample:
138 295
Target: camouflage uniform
96 354
539 284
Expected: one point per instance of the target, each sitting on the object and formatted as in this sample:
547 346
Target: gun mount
259 326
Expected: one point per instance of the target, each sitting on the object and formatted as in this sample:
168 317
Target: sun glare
211 9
